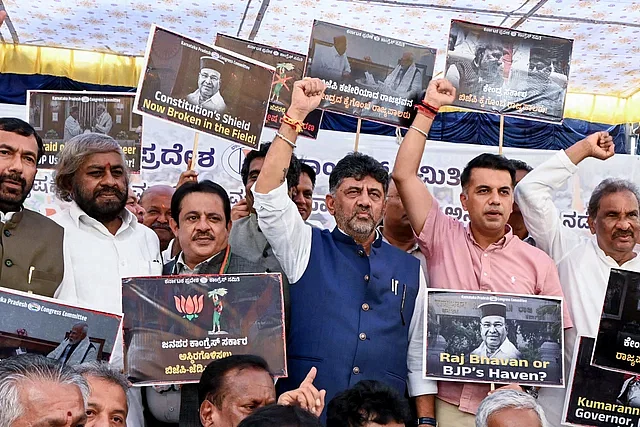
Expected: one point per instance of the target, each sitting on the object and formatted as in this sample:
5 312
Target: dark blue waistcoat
346 317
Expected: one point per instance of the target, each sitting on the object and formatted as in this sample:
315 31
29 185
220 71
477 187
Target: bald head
156 201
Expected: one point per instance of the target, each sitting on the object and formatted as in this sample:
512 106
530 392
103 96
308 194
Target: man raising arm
483 256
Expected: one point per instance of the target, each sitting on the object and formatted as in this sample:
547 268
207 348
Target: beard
359 229
11 199
100 211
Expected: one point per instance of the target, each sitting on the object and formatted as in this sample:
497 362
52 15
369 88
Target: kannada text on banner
40 325
289 68
482 337
505 71
204 88
618 342
59 116
367 75
176 325
600 397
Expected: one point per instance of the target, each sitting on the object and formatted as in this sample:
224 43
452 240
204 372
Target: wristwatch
426 421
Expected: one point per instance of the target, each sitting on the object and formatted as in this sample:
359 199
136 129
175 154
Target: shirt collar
609 260
500 244
6 217
183 268
79 216
410 251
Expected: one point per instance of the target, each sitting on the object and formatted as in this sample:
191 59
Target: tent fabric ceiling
605 33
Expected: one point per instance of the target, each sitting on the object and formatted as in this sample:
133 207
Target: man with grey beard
104 242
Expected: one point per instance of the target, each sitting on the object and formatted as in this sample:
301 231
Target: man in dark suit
31 245
201 221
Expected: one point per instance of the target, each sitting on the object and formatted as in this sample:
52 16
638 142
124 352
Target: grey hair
610 186
503 399
85 326
74 154
103 371
18 369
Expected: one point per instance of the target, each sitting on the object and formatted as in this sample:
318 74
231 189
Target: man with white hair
102 123
505 408
104 242
208 93
107 404
36 391
76 348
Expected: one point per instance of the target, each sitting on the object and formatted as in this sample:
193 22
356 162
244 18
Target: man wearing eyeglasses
208 93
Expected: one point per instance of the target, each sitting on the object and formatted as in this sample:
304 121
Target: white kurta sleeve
534 198
285 230
415 383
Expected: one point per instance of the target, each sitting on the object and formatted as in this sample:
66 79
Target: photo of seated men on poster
176 325
66 333
61 115
510 72
600 397
204 88
482 337
618 342
289 68
368 75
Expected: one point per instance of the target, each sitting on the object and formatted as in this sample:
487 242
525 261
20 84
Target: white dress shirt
582 266
290 239
95 263
330 64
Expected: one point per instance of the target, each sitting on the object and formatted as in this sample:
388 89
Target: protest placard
176 325
368 75
204 88
40 325
507 71
484 337
58 116
600 397
618 341
289 68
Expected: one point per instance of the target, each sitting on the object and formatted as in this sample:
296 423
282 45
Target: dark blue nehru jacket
346 314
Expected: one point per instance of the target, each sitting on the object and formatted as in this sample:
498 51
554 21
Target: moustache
14 177
201 234
361 211
622 233
106 191
160 226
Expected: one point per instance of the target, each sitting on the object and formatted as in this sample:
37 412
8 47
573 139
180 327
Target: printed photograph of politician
507 71
369 75
175 325
618 341
207 89
61 115
289 68
481 337
594 392
69 334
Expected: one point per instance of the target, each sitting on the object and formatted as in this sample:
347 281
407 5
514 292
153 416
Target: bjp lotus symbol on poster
189 307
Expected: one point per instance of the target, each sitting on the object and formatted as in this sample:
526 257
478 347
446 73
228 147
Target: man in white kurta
104 242
103 121
71 125
208 93
583 263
